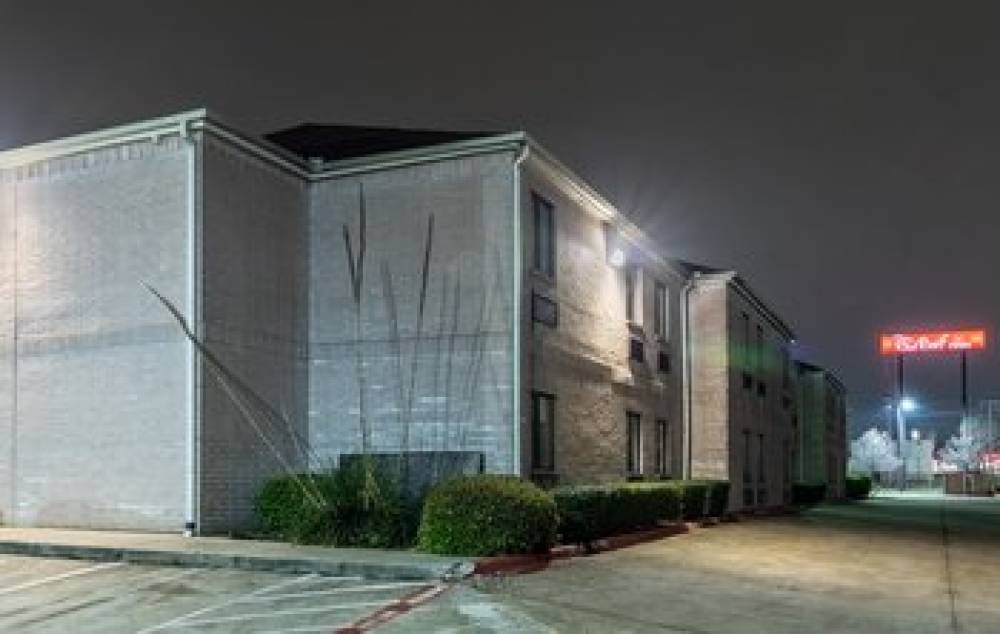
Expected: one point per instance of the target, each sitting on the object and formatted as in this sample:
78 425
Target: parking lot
54 595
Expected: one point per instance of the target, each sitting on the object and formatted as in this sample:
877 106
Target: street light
907 404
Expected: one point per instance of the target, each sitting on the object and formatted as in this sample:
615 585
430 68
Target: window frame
633 441
662 446
661 311
544 255
537 398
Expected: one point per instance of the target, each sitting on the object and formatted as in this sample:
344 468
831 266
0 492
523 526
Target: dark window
543 428
747 381
759 352
544 310
545 237
662 447
748 487
786 377
762 389
633 441
760 458
660 323
663 361
631 280
636 349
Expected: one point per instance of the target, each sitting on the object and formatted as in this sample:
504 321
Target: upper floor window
660 316
545 236
631 293
786 363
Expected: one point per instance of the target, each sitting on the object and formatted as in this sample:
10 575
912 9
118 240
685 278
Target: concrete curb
255 563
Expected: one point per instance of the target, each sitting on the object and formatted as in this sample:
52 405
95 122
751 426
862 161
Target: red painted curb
397 608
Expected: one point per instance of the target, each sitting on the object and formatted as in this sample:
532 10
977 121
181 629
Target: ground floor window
662 447
633 442
543 415
747 471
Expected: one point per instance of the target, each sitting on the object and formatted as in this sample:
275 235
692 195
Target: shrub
487 515
805 494
718 497
357 505
858 487
588 513
694 494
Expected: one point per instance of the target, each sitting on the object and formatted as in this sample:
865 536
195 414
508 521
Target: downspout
686 374
516 313
191 523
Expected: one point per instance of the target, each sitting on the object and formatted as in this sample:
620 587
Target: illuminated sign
941 341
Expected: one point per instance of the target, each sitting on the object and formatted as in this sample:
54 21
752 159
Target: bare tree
873 452
964 451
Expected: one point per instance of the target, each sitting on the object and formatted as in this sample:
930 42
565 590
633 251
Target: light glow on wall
937 341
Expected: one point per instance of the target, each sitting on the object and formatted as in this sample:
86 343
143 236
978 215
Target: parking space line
378 587
308 628
54 578
181 620
295 612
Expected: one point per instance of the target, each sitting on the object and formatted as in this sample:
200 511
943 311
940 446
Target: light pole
905 404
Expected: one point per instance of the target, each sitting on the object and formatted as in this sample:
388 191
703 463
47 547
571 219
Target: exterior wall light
614 246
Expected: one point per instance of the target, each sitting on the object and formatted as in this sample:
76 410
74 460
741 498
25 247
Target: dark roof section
693 267
338 142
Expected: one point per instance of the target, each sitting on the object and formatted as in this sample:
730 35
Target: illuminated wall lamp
614 246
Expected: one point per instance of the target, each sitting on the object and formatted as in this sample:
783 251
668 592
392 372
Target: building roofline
735 281
827 374
583 193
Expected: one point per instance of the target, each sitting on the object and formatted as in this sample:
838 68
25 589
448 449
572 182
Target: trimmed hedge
858 487
718 497
804 494
486 515
590 512
694 496
354 506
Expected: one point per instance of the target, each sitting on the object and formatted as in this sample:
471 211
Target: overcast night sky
842 156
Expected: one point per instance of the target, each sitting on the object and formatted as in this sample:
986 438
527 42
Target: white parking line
295 612
181 620
54 578
379 587
309 628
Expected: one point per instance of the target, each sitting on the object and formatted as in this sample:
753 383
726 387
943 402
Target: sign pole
965 384
900 420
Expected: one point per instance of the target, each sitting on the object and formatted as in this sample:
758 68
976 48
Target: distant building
742 390
822 421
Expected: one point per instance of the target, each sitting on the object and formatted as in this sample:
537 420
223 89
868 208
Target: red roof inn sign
938 341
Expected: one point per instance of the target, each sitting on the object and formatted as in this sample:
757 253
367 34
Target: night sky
842 156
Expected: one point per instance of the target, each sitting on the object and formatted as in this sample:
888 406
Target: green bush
588 513
487 515
694 495
718 497
858 487
805 494
357 505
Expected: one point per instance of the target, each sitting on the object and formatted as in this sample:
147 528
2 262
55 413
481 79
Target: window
663 361
544 310
545 237
760 458
662 447
636 350
759 361
660 316
786 377
744 355
543 415
633 440
747 471
631 284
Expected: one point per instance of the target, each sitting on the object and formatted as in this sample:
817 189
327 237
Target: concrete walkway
219 552
909 564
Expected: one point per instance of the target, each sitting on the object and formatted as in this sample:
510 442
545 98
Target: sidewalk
219 552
